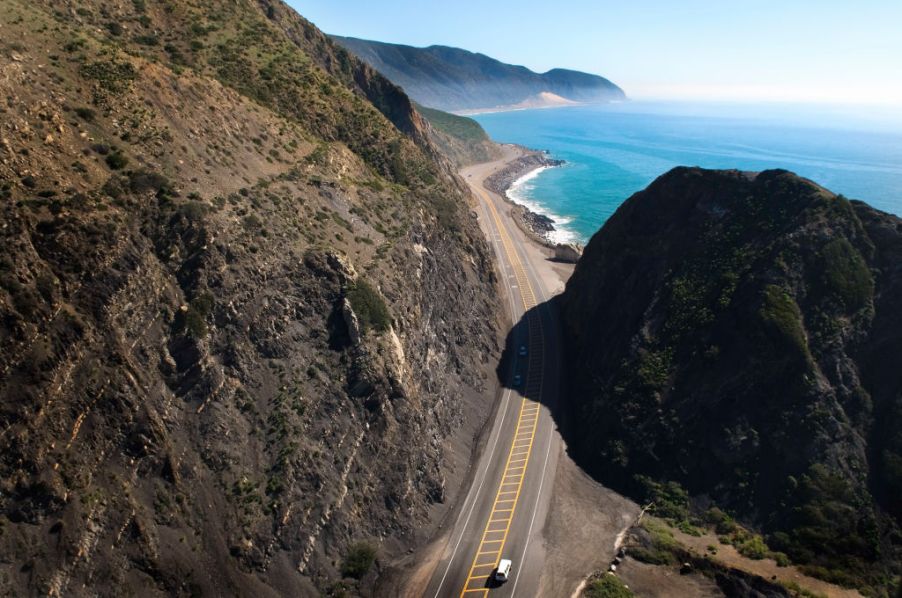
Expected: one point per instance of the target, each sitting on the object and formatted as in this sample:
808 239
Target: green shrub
117 160
723 523
753 548
147 40
252 223
662 545
831 530
661 536
653 368
686 527
782 313
145 180
670 500
846 274
193 321
607 586
75 45
359 560
85 114
799 590
652 556
781 558
369 306
113 76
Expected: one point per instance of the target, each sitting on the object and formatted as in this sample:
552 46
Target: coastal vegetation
460 138
461 127
606 586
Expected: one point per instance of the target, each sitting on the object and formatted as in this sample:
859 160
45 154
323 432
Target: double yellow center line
494 535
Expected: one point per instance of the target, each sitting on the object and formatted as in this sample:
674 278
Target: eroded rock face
179 401
731 332
352 322
567 252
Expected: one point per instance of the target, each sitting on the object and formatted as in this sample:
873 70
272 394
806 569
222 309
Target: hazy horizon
828 52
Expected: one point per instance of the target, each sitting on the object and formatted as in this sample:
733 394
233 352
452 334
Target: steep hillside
462 139
737 336
244 305
453 79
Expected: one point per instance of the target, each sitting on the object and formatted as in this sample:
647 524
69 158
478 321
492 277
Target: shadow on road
513 368
491 583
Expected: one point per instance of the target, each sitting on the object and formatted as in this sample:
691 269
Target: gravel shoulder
581 532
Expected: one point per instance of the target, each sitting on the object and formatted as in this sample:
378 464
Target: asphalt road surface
506 507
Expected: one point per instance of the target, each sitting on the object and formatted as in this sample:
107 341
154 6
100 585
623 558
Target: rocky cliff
737 335
245 306
454 79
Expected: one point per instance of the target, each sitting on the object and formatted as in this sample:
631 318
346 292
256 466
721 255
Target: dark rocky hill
740 334
244 305
454 79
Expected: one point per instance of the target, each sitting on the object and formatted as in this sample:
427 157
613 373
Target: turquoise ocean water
614 150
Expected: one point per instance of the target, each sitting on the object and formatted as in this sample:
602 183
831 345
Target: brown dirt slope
241 298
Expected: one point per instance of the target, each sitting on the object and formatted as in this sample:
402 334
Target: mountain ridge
454 79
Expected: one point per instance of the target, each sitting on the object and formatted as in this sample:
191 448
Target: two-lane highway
504 512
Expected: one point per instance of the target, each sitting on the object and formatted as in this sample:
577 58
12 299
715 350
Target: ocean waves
523 192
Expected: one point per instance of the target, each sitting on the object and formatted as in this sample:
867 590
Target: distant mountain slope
454 79
740 334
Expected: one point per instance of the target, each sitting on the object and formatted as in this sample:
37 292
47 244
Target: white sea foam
520 191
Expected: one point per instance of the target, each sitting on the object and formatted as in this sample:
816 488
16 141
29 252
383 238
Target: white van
503 572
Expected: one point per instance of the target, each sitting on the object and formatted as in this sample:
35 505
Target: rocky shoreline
536 226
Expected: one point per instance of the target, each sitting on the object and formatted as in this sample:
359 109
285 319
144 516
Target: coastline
536 226
514 108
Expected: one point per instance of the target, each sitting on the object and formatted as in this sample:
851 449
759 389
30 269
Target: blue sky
834 51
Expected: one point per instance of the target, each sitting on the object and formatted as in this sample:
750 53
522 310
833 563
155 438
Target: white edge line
475 496
535 508
507 393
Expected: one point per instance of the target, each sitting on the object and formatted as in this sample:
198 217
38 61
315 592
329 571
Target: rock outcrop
567 252
739 334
